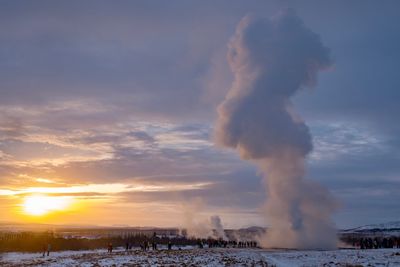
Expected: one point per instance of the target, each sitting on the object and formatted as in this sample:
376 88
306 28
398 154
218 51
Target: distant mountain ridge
389 227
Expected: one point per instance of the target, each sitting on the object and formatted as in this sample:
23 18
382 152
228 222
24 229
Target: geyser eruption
271 60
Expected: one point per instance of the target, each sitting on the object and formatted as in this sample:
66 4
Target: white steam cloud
198 225
218 229
271 60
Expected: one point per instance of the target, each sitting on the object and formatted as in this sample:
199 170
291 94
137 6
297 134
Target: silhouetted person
370 243
110 248
385 243
390 243
154 245
48 249
44 248
362 243
169 245
375 243
145 245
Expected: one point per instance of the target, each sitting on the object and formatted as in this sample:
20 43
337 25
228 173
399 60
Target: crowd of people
361 243
145 246
201 243
212 243
377 242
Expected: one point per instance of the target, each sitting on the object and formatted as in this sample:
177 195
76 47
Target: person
48 249
199 243
126 246
362 243
375 243
169 245
44 250
385 243
145 245
110 247
390 243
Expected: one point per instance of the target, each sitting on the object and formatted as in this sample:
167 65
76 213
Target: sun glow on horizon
38 205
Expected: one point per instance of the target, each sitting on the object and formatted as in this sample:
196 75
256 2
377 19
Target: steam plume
199 226
217 227
271 60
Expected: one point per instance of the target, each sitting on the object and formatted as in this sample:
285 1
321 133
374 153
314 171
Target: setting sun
38 205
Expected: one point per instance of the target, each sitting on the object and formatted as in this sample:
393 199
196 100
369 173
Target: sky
108 109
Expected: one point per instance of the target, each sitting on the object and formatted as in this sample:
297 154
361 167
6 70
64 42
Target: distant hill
390 228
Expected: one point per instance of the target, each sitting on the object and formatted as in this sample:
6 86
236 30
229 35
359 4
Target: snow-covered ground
208 257
344 257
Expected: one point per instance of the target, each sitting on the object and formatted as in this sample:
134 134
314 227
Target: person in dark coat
44 248
48 249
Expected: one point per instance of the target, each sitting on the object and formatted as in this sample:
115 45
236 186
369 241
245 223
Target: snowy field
208 257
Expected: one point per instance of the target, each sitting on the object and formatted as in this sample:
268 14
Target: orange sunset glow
38 205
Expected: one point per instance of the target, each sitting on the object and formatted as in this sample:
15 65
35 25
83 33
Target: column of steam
271 60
